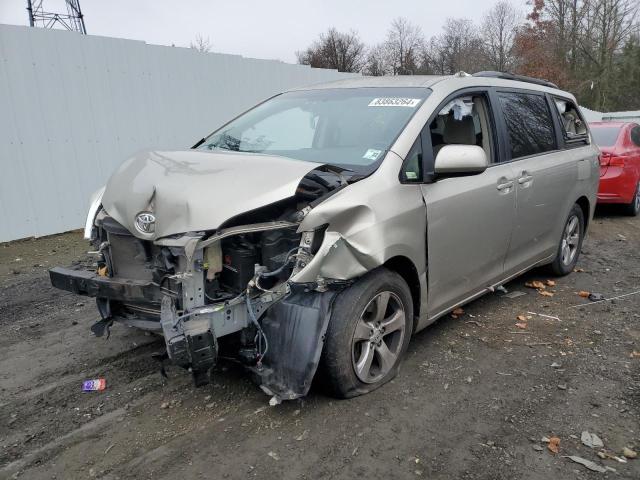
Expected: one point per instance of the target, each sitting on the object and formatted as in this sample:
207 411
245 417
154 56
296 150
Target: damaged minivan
314 234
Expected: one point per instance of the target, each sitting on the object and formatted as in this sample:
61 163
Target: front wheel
633 208
369 331
570 243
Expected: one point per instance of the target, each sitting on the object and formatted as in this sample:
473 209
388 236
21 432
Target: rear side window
605 136
635 136
529 124
574 128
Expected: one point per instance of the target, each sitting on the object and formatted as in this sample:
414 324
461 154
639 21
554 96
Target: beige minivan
324 227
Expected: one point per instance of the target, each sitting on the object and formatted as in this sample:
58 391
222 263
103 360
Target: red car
619 143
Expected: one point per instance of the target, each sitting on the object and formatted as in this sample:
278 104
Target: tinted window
605 136
635 136
529 123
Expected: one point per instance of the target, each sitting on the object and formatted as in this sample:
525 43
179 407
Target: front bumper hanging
90 284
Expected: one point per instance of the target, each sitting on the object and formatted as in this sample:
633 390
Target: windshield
605 136
349 128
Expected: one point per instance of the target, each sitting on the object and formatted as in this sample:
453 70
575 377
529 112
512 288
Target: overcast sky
272 29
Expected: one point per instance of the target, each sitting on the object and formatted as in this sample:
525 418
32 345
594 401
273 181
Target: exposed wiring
278 270
219 299
286 262
260 335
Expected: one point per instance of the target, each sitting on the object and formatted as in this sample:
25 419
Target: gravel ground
473 400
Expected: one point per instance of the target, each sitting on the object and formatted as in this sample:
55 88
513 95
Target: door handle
505 184
525 177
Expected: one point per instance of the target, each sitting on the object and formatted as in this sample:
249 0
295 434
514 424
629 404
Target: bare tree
377 62
459 47
606 27
201 44
499 28
344 52
403 46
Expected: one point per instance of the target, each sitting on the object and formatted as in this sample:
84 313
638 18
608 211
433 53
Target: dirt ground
474 398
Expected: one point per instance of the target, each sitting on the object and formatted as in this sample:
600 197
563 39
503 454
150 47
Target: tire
570 243
361 353
633 209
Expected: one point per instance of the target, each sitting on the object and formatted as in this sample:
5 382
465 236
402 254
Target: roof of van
428 81
382 81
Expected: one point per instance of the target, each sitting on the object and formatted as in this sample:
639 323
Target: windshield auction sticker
394 102
372 154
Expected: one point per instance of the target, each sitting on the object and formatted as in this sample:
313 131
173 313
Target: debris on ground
546 293
537 284
552 317
554 444
608 455
96 385
555 365
588 463
550 283
457 312
634 354
474 322
515 294
521 325
274 455
627 452
591 440
596 297
584 294
522 318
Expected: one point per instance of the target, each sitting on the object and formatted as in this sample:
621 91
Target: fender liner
295 328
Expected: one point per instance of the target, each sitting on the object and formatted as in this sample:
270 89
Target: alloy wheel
378 337
570 240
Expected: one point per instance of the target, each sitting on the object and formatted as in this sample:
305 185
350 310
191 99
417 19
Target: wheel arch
585 206
404 267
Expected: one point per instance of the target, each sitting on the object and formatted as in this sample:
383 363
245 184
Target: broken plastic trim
295 328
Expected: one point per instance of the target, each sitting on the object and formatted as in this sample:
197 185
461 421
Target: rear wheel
369 331
633 208
570 243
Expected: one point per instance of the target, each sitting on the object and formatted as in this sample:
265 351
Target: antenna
73 20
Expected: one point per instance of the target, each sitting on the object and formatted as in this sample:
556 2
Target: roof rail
512 76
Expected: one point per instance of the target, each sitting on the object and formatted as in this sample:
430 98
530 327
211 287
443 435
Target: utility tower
72 20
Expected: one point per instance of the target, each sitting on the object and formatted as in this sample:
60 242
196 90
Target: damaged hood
194 190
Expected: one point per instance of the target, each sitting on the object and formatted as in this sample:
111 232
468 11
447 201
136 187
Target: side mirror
460 160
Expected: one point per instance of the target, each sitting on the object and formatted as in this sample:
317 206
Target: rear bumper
90 284
617 185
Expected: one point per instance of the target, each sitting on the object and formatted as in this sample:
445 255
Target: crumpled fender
369 223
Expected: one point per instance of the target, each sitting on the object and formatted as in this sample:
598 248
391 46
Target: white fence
73 107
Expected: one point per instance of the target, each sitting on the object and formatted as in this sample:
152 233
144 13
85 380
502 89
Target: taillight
605 158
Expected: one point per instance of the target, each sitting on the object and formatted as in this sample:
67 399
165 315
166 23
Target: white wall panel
73 107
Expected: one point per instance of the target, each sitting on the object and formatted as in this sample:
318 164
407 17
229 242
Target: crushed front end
227 291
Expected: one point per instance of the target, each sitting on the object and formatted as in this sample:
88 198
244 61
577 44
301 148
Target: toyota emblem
146 222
